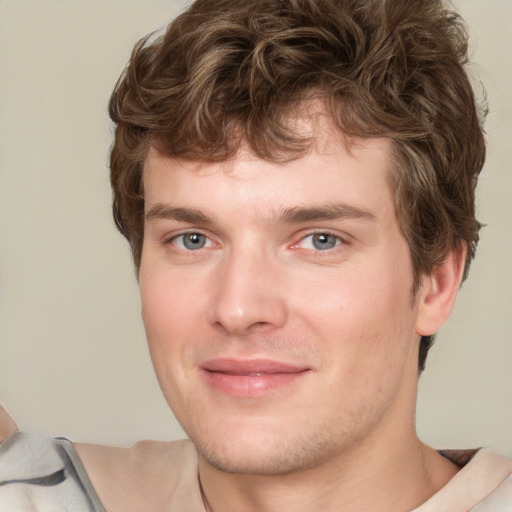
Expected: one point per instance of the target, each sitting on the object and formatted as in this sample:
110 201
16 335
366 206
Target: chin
263 454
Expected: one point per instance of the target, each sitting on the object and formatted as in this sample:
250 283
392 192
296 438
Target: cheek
170 303
166 326
173 311
157 306
363 317
351 299
160 314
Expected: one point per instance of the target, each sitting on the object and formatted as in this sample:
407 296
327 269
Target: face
277 303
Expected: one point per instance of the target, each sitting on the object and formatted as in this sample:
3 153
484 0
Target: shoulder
149 475
144 456
498 470
483 484
499 500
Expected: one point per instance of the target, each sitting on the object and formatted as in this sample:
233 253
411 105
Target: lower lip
251 385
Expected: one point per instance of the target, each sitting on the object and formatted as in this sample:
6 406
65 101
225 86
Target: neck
397 480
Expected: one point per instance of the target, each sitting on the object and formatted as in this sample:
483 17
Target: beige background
72 356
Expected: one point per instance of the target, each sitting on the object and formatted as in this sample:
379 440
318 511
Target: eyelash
172 241
338 240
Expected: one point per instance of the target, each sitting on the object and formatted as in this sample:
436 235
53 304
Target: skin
341 435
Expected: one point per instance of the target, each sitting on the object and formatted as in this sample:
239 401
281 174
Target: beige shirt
163 477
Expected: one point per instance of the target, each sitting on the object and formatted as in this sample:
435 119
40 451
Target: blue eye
324 241
191 241
320 241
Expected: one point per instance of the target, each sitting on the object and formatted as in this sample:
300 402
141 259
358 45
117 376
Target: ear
438 292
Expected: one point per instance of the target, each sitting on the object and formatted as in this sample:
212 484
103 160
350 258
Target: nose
247 297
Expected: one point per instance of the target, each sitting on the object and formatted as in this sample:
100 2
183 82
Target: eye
320 241
191 241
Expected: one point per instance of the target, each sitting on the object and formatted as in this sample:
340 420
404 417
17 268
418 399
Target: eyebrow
293 215
191 215
330 211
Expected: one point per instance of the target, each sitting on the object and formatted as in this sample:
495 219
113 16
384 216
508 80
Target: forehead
335 168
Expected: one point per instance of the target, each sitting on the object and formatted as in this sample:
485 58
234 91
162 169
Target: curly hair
232 72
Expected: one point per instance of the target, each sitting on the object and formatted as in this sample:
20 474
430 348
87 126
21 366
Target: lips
250 377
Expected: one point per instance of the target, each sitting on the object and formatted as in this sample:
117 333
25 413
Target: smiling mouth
244 374
250 378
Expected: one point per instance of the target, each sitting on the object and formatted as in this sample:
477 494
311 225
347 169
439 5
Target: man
296 180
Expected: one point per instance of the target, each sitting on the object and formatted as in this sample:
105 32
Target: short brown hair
228 72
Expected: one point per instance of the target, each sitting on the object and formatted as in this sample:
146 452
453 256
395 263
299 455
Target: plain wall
73 359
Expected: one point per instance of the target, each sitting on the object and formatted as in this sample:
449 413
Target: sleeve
40 474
